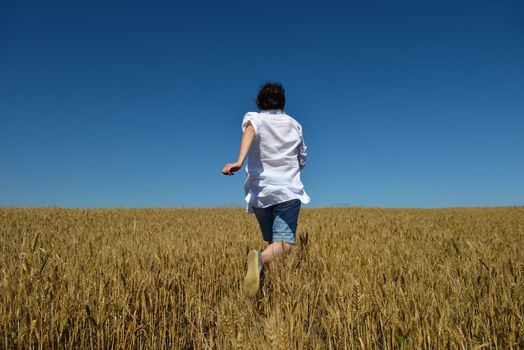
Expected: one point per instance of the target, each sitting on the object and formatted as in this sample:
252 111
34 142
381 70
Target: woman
273 143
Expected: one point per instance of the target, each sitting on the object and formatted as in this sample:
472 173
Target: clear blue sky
139 104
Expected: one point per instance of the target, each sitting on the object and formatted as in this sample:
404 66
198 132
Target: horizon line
337 206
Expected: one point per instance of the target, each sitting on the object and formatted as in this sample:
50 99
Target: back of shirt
275 158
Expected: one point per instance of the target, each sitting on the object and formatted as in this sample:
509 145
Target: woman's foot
254 267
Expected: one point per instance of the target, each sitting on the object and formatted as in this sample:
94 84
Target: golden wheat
171 278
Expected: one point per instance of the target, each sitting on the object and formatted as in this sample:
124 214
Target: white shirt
275 158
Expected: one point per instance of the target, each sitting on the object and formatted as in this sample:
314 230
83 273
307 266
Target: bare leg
274 250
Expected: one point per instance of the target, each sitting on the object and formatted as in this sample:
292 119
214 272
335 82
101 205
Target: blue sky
139 104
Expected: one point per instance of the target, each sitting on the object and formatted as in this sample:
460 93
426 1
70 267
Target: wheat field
171 278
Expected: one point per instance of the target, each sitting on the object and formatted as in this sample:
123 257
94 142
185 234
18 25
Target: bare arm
245 145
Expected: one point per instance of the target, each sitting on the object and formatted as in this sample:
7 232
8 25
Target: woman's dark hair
271 96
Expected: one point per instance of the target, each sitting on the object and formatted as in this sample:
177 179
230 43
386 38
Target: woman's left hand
230 168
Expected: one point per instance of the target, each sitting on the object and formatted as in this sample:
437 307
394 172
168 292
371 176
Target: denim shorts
279 222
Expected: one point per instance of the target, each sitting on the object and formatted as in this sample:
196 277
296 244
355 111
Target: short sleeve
302 148
254 119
